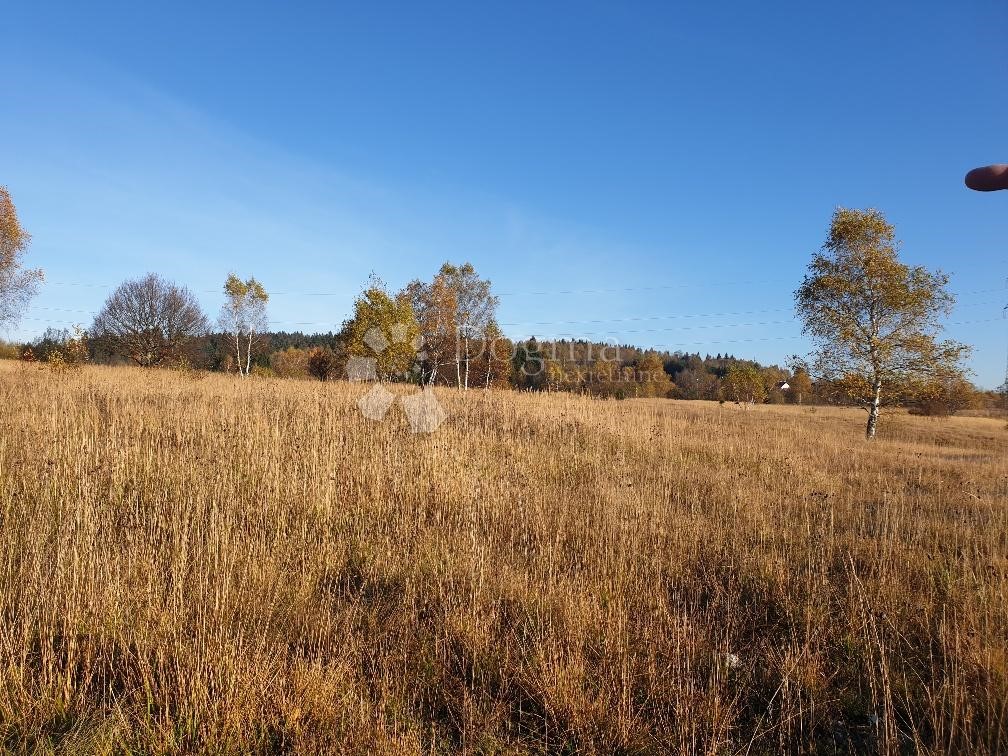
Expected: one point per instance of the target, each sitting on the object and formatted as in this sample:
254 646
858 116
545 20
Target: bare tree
149 320
17 283
243 316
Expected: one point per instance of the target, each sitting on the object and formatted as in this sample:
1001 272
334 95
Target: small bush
72 356
944 398
56 361
290 363
932 408
184 368
322 363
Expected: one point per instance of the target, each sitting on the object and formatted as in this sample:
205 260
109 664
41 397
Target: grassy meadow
218 565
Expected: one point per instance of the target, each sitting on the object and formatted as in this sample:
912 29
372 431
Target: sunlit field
225 565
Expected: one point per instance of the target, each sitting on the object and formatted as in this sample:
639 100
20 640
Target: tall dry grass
250 566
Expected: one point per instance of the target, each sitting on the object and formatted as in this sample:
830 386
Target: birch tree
17 283
874 321
435 307
475 309
243 316
743 383
456 315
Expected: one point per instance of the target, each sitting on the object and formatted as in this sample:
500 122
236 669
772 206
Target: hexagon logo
423 410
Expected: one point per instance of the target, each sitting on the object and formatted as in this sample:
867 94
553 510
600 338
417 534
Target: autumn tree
435 307
321 363
17 283
475 310
801 384
600 377
149 320
243 316
528 366
744 383
383 334
73 353
696 383
943 396
773 377
873 319
456 315
490 362
651 375
291 362
555 375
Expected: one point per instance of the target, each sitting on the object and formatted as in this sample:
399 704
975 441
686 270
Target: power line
719 341
609 334
554 292
629 319
688 315
622 290
583 334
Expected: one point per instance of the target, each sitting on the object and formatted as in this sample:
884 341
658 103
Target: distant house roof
783 385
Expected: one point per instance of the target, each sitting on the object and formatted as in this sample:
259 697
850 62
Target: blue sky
657 174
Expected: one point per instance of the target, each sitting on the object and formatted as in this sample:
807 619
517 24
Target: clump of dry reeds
243 566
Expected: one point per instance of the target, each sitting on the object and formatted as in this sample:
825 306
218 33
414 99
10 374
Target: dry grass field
228 566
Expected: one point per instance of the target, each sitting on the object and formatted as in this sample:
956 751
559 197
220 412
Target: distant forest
582 366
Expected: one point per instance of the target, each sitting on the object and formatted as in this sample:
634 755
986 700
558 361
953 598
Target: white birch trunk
467 363
873 411
248 354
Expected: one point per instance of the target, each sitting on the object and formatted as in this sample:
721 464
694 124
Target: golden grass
251 566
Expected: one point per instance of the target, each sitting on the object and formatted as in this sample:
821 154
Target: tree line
438 332
874 322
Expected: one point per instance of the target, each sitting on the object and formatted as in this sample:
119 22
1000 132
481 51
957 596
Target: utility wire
583 335
629 319
555 292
